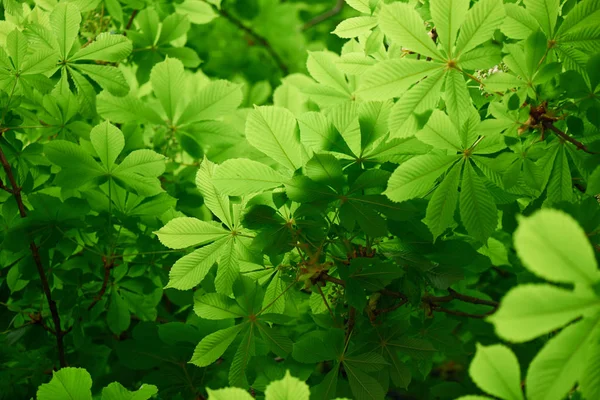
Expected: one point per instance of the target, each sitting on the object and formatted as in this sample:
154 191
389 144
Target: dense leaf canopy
299 199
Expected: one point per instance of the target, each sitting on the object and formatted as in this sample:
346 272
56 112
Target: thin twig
335 10
108 266
16 192
564 136
462 297
258 38
460 313
130 22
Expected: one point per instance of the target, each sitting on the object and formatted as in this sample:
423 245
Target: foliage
227 199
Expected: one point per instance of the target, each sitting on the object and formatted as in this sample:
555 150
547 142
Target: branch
16 192
258 38
580 146
462 297
337 8
460 313
108 266
130 22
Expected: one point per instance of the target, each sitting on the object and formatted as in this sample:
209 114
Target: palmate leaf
168 82
216 306
545 12
109 78
183 232
401 23
391 78
239 177
480 23
478 210
496 371
558 366
106 47
65 20
213 346
74 383
108 142
191 269
353 27
440 133
419 98
529 311
416 176
441 207
229 268
363 386
272 130
214 100
216 202
518 24
553 246
448 16
321 66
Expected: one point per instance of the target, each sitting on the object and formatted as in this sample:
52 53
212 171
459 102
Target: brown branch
462 297
335 10
108 266
5 188
258 38
16 192
580 146
460 313
130 22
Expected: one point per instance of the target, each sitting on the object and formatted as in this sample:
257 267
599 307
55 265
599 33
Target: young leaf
272 130
288 388
478 210
108 142
67 383
529 311
496 371
213 346
183 232
401 23
480 23
116 391
416 176
554 247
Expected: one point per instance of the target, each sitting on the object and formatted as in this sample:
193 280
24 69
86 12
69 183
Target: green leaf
558 366
16 47
118 316
545 12
229 393
441 207
140 169
213 346
108 142
560 184
229 268
321 65
197 11
272 130
324 168
288 388
106 47
589 381
419 98
415 177
216 306
191 269
480 23
116 391
183 232
125 109
110 78
391 78
215 100
168 82
553 246
77 166
239 177
518 24
67 383
496 371
458 99
401 23
217 203
360 5
65 20
478 210
363 386
440 133
529 311
448 16
353 27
